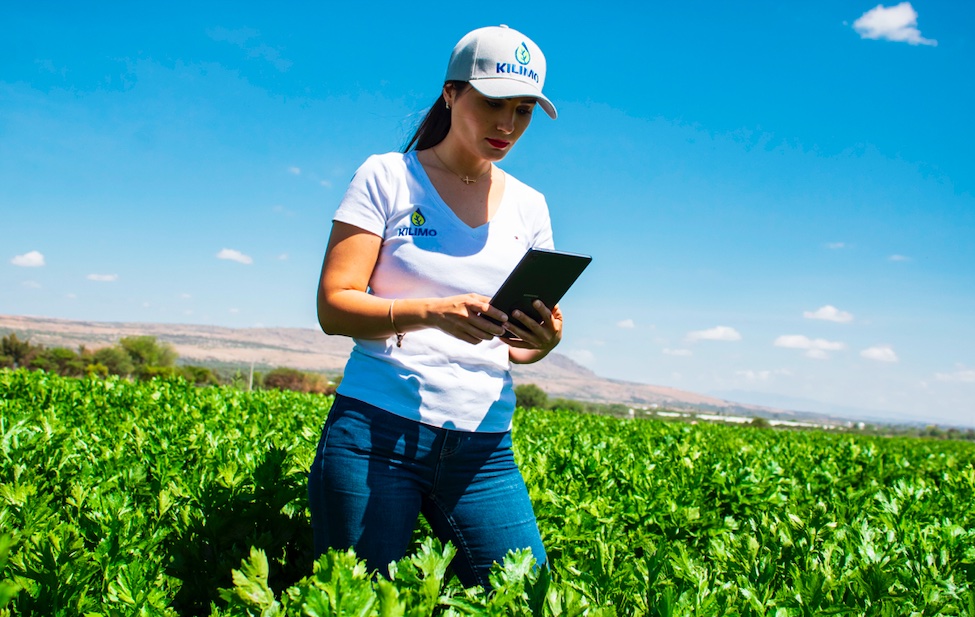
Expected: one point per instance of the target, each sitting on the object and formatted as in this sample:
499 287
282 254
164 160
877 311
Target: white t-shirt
427 251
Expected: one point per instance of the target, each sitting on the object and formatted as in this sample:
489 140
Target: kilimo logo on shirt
523 57
416 228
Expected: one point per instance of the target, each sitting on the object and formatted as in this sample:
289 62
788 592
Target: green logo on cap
522 55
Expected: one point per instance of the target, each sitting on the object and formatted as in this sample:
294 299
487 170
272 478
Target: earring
447 104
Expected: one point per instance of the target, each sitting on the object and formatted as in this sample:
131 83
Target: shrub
295 380
115 359
199 375
529 395
147 351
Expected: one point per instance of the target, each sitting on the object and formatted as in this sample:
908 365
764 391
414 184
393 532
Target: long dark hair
436 124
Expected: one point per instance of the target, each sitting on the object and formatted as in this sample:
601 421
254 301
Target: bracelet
392 321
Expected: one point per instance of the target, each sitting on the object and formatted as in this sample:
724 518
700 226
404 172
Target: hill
312 350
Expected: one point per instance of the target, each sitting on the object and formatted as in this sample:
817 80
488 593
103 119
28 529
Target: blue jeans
374 472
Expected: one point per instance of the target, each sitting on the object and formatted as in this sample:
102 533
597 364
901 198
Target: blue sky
778 196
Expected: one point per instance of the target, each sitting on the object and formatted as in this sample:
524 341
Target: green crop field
159 498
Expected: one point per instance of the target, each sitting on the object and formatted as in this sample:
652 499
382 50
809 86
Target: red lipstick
498 143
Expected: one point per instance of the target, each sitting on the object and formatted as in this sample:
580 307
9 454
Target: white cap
500 63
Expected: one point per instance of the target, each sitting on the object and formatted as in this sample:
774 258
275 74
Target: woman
422 419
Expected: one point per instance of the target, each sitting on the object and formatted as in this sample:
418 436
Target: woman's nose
506 123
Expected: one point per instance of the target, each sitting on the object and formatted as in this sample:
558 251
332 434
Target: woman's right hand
464 317
346 308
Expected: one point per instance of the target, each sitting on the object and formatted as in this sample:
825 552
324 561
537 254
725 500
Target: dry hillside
312 350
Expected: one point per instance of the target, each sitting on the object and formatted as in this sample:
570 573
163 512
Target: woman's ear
449 94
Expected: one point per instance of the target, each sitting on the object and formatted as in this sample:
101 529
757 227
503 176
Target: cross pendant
468 180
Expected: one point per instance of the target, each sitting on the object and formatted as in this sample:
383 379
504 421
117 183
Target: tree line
531 396
145 358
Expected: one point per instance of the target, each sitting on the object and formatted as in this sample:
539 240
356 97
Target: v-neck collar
421 174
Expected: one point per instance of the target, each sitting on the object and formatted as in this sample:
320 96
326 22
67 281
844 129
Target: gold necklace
465 178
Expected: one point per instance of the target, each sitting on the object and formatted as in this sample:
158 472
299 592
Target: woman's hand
466 317
534 340
346 308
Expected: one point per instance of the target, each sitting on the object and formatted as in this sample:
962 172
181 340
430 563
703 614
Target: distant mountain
804 405
312 350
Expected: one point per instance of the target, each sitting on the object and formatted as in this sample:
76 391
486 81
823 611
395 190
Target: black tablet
542 274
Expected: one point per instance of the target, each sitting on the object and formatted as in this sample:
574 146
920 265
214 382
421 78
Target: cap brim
500 88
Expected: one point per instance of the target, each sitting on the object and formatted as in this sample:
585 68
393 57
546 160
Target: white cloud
327 184
283 257
582 356
626 323
234 310
32 259
763 375
718 333
678 352
751 375
880 353
800 341
234 255
185 296
295 170
829 313
836 245
899 258
103 278
70 296
894 23
31 284
960 376
815 348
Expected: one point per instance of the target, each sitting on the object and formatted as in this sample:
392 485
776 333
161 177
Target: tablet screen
542 274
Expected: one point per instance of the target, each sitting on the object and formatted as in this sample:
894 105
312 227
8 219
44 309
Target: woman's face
486 127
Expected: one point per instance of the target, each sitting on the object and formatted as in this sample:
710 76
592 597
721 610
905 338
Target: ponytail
436 124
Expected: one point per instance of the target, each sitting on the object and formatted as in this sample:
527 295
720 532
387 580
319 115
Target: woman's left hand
534 336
